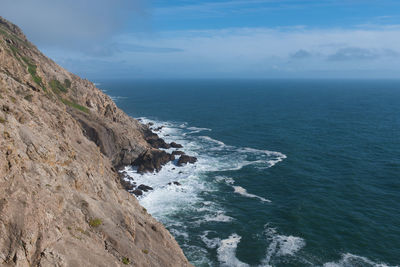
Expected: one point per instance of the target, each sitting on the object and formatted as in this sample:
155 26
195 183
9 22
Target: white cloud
73 24
262 52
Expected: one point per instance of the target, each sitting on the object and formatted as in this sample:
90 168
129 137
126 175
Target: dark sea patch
289 173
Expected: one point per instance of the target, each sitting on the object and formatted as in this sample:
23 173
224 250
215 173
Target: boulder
175 145
152 160
184 159
145 188
137 192
154 140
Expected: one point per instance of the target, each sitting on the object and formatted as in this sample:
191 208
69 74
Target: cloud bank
72 24
110 39
260 53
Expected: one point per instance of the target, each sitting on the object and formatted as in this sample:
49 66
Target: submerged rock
175 183
184 159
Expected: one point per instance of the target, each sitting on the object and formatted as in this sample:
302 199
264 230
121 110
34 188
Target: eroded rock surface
61 140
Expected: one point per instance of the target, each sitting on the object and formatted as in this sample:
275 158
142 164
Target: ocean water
289 173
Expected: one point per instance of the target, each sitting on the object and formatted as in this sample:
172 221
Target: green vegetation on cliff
74 105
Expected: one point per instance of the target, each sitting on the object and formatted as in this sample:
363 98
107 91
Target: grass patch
125 260
57 87
2 120
13 99
74 105
145 251
95 222
32 69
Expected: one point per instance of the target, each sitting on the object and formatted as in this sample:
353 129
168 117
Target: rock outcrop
152 160
185 159
61 140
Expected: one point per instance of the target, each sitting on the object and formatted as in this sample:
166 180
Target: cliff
61 140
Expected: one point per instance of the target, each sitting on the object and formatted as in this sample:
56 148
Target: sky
163 39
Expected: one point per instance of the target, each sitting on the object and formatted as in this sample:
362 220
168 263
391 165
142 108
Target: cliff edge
61 140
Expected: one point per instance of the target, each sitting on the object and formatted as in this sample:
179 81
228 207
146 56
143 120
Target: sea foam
185 206
240 190
350 260
227 252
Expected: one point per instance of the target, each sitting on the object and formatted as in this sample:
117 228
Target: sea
289 172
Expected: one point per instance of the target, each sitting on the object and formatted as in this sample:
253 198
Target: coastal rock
145 188
175 183
137 192
175 145
185 159
177 153
61 199
127 185
152 160
154 140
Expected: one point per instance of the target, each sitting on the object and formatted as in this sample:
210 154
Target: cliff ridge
61 141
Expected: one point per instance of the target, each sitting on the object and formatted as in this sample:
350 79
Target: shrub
95 222
145 251
125 260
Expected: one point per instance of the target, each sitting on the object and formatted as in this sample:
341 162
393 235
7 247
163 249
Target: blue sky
102 39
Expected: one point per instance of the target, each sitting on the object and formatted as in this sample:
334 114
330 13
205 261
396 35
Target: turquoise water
290 173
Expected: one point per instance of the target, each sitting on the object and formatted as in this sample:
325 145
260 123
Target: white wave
194 130
227 180
116 98
176 233
350 260
227 252
281 245
198 129
213 140
210 243
169 202
218 217
273 156
240 190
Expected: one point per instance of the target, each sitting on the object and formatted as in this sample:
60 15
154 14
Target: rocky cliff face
61 203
